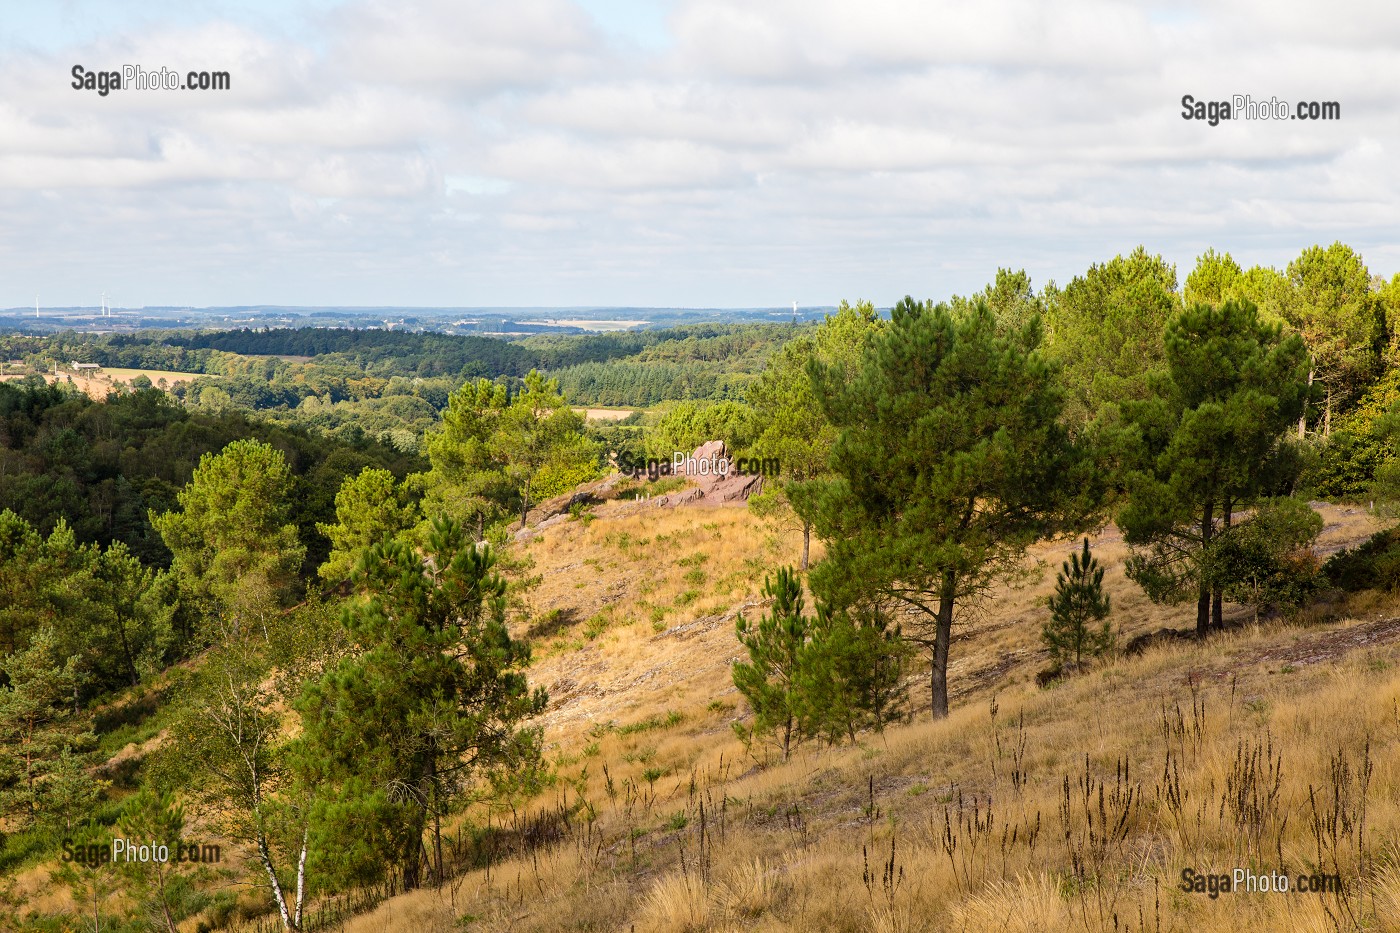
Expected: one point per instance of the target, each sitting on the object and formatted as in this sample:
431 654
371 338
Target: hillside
1073 807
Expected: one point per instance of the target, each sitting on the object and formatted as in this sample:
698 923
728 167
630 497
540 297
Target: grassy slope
1075 807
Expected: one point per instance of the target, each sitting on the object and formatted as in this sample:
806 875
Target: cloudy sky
675 152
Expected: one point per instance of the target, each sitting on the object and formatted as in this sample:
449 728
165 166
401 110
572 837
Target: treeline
929 451
384 352
346 383
100 468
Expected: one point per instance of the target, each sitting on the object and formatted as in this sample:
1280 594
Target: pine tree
1076 605
1105 329
368 509
850 675
769 679
951 460
233 541
432 700
39 732
1207 445
830 676
541 442
466 481
154 818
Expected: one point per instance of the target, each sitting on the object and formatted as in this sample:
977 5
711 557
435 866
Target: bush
1266 561
1342 467
827 676
1373 564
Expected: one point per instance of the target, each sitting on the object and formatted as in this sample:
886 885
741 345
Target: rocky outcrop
716 480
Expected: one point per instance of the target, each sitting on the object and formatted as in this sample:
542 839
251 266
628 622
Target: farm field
99 384
605 414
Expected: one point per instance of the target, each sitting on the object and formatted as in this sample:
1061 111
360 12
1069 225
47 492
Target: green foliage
1339 318
1207 444
228 750
643 368
496 453
1342 467
1216 279
154 818
1267 562
1105 330
542 444
368 508
42 782
787 417
951 459
1010 298
465 481
769 679
827 676
1076 606
431 700
687 425
850 674
233 544
1373 564
102 467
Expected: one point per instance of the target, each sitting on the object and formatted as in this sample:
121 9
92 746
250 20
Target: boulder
710 469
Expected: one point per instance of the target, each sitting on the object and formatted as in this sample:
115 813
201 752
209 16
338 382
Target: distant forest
637 369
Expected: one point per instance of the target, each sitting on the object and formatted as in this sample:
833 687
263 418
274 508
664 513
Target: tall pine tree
1208 444
951 460
432 700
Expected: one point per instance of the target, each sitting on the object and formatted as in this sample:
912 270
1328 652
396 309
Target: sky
675 153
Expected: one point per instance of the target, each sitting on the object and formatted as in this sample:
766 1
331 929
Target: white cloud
432 151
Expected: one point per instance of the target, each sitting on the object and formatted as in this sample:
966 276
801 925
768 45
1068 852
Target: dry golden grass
105 380
1070 808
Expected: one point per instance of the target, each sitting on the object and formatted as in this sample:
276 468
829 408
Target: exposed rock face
712 471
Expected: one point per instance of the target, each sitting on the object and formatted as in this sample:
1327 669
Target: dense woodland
313 605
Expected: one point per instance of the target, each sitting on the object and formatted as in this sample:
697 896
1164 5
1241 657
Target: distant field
604 414
155 375
99 384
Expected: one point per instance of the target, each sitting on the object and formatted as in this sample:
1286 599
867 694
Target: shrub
1342 467
1373 564
1267 562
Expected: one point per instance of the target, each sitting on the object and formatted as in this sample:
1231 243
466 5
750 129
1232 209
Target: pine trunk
1203 597
1217 597
942 636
